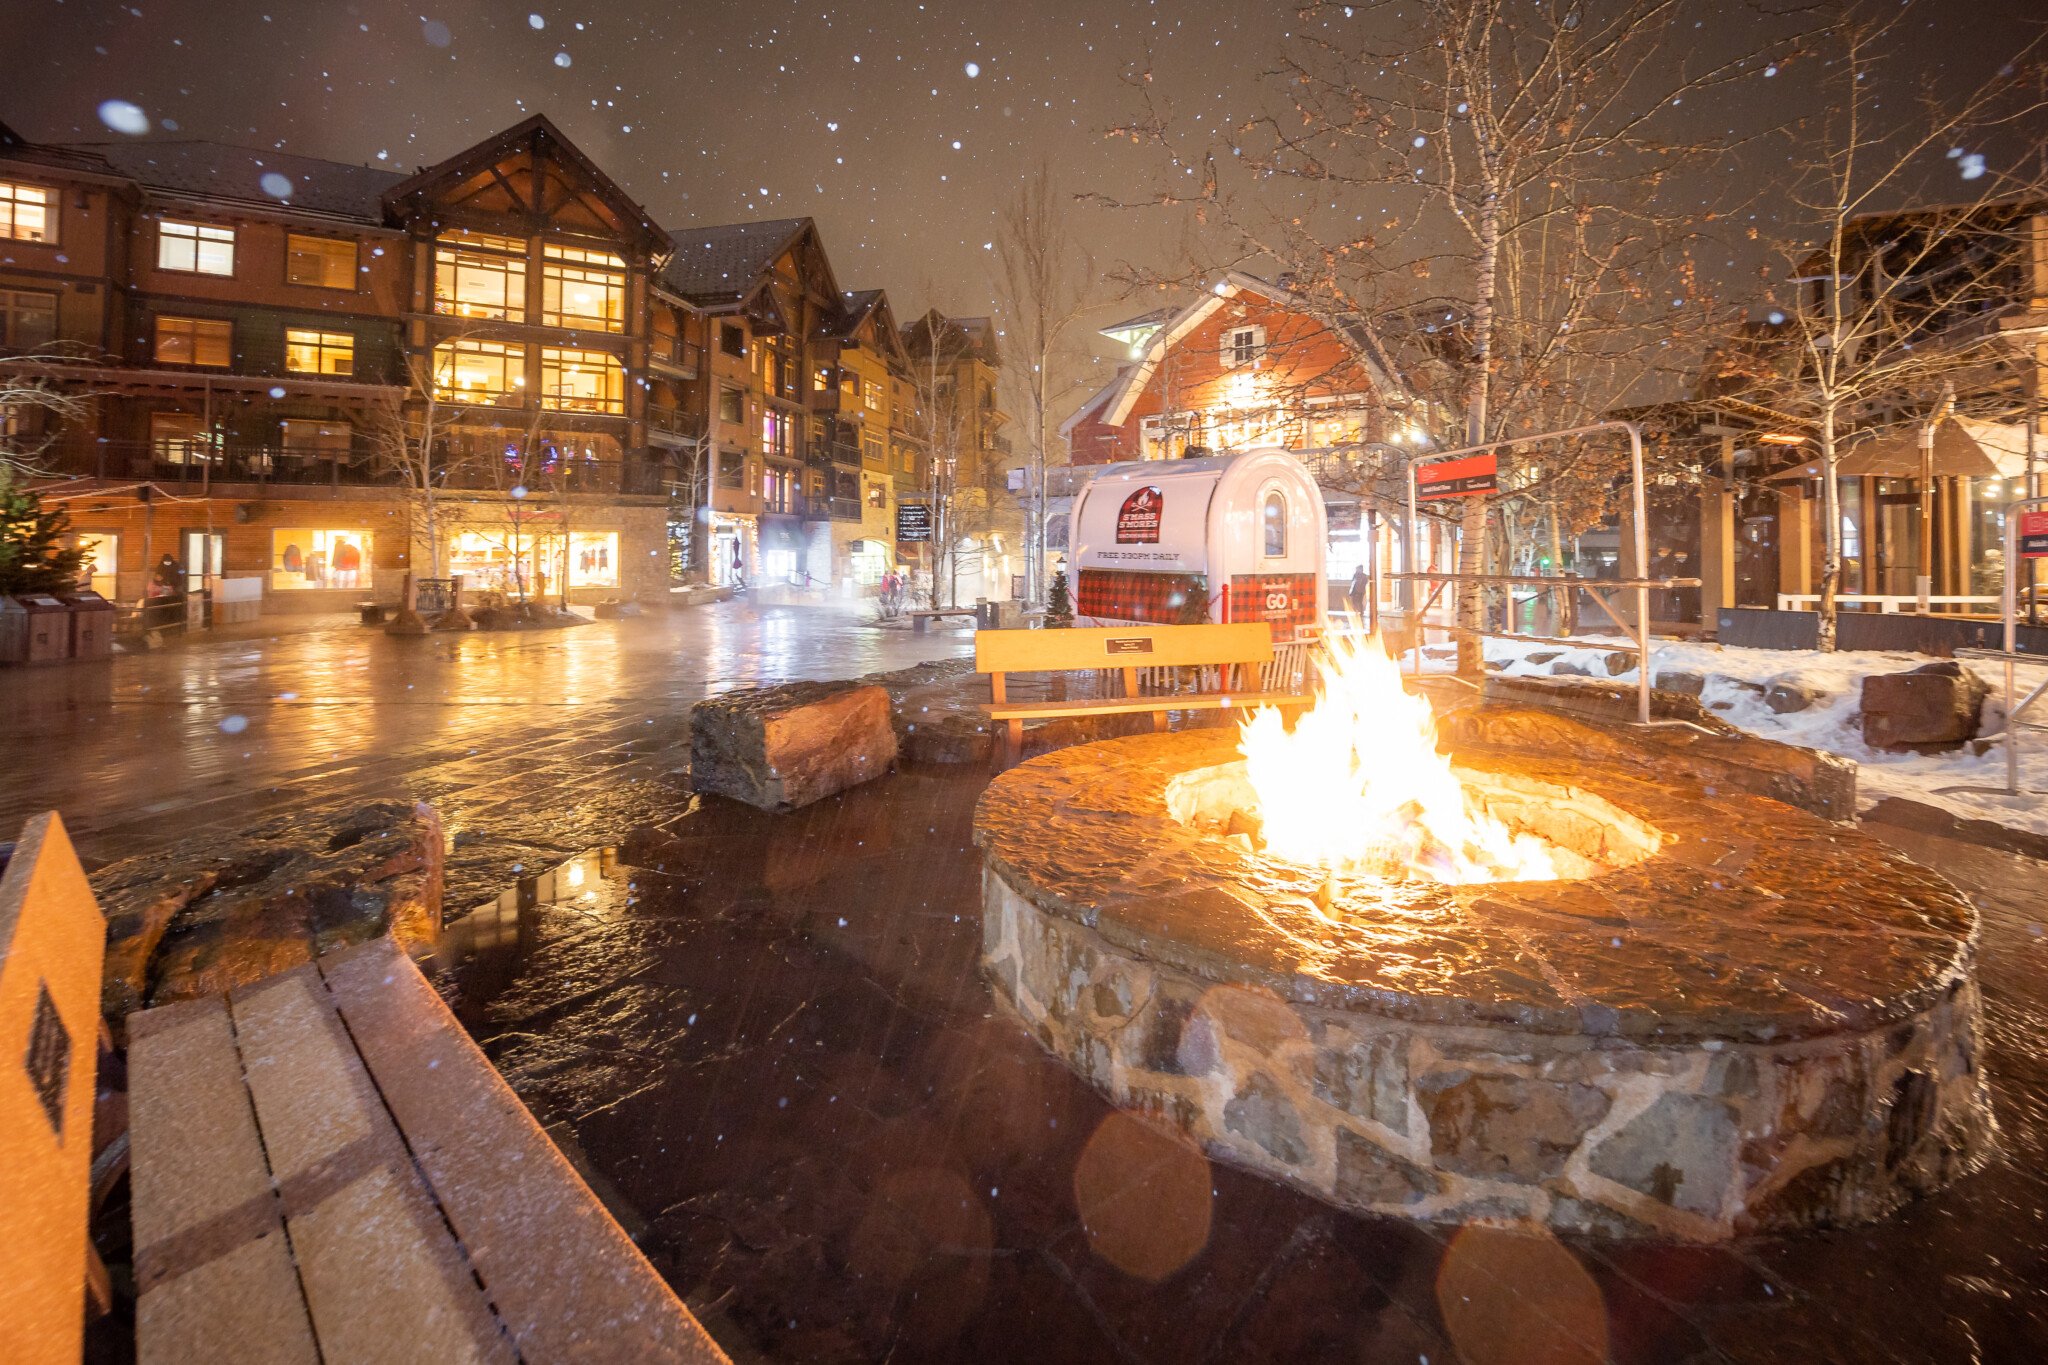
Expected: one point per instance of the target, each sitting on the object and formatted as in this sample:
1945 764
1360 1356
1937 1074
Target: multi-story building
856 397
952 367
296 367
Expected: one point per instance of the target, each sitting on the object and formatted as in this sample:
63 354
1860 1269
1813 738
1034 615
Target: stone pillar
1795 538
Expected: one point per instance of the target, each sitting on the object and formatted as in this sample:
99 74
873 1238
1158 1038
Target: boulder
1784 696
181 925
780 748
1927 710
1680 681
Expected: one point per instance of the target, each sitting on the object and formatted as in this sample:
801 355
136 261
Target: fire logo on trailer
1137 521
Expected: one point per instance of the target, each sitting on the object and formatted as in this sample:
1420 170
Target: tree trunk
1471 596
1831 533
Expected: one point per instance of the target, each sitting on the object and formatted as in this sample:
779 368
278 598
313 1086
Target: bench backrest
52 940
1054 651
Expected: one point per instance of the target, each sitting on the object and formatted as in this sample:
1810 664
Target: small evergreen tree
1059 608
33 554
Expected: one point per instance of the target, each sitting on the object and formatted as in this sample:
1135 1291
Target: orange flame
1359 786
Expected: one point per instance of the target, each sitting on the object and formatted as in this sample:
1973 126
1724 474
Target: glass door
204 552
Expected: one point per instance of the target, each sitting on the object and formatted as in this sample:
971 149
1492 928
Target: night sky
899 126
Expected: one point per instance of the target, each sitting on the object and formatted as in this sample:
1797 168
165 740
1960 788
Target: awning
1963 448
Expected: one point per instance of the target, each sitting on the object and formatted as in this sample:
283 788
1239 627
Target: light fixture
1781 438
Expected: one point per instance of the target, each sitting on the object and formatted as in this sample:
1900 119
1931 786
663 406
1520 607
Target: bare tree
409 439
1043 289
35 410
1881 316
939 422
1477 195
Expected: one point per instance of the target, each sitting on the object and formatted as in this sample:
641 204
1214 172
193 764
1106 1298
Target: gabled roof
1123 393
726 263
963 337
539 136
858 308
218 170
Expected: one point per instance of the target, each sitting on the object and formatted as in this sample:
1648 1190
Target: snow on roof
725 261
217 170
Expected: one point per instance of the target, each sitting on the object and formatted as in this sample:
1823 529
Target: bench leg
918 623
1013 745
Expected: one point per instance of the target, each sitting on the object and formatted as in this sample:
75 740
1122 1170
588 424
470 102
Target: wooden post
52 941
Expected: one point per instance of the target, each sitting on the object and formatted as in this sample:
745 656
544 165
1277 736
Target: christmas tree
1059 608
33 554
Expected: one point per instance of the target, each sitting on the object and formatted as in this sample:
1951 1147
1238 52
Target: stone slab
780 748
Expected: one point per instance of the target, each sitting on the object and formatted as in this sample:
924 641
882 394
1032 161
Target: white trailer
1223 538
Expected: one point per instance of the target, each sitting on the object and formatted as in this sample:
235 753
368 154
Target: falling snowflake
124 117
973 70
561 59
535 21
275 185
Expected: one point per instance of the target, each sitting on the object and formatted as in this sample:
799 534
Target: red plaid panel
1156 599
1287 600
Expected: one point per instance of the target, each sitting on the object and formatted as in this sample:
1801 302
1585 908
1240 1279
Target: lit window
27 213
593 559
1276 526
308 352
178 438
479 276
583 289
581 381
195 248
102 551
194 341
871 394
319 262
480 372
28 319
313 557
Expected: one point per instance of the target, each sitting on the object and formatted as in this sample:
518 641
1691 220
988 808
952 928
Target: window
28 319
1243 346
732 340
583 289
195 248
28 213
481 372
849 384
878 494
872 451
178 438
593 559
310 557
871 396
305 442
479 276
102 561
1276 526
775 433
321 262
194 341
777 484
732 405
581 381
732 469
308 352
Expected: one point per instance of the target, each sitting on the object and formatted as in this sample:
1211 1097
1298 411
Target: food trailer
1215 539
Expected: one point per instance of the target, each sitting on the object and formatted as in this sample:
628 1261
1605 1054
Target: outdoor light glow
1359 786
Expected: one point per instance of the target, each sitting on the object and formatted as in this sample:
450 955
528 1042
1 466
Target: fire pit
1513 984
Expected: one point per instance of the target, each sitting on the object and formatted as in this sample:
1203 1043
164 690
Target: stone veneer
1770 1024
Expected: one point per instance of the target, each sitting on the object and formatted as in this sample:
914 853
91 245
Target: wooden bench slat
214 1273
371 1246
1102 706
566 1281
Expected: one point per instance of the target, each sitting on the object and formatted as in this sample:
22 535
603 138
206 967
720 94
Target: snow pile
1740 685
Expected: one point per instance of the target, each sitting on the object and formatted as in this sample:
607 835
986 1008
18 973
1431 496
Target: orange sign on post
1466 478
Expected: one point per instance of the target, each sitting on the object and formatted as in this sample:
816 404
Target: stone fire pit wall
1771 1024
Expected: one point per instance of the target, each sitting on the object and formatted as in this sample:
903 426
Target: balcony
673 427
194 468
675 356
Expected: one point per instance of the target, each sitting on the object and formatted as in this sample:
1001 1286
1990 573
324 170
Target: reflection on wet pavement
768 1035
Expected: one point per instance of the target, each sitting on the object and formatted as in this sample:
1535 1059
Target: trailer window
1276 526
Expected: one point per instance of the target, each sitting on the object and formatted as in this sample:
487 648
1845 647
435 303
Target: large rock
1927 710
183 925
779 748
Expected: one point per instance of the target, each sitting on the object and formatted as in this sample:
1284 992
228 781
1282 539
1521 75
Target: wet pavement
766 1039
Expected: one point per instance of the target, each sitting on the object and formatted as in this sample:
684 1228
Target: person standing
1359 586
165 592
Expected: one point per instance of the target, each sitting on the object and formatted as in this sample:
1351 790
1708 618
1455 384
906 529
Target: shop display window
593 559
102 561
305 557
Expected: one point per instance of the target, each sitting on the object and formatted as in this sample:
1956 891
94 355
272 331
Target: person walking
1359 586
165 592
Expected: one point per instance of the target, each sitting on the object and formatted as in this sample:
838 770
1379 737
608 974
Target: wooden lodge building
277 355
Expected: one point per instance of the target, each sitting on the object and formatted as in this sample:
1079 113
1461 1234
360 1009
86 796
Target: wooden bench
52 943
1239 654
325 1167
920 619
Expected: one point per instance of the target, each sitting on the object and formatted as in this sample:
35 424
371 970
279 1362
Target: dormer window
1243 346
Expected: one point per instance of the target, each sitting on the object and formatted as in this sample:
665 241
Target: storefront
734 548
867 560
311 558
535 564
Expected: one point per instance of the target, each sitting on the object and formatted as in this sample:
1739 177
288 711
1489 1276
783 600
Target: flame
1359 786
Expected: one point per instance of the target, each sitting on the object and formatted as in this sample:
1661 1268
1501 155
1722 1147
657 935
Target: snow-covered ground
1736 684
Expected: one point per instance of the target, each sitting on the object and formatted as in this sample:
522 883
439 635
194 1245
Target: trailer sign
1469 477
1137 521
2034 535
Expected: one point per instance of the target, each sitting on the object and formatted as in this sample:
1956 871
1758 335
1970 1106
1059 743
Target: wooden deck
327 1169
